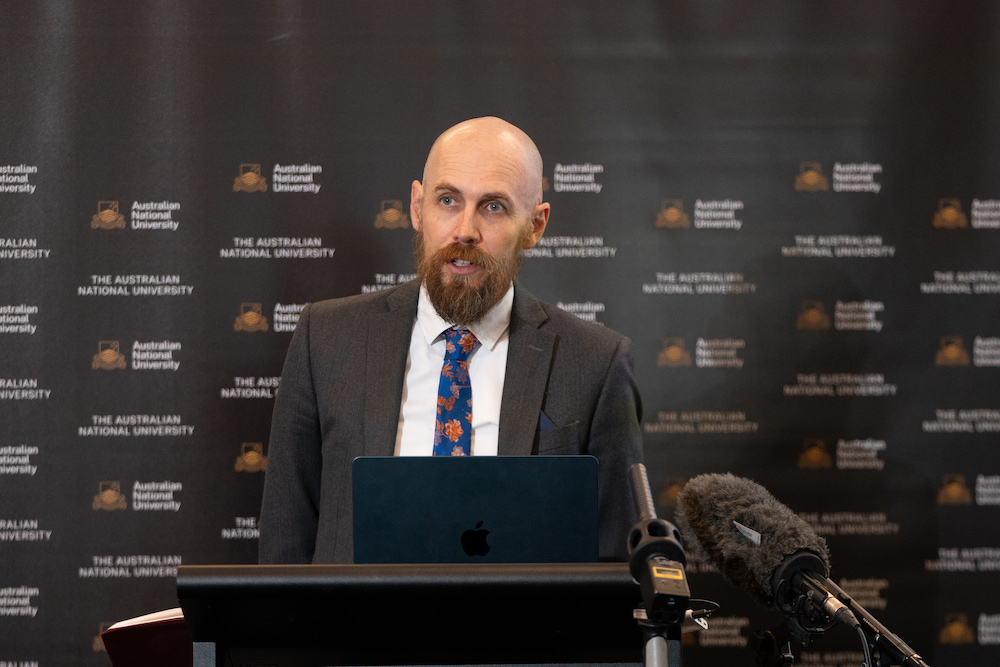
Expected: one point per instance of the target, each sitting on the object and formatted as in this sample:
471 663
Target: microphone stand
772 648
812 604
656 561
893 650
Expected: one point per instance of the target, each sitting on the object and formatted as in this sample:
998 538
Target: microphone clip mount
804 620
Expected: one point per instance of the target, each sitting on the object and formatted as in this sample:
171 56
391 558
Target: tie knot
459 343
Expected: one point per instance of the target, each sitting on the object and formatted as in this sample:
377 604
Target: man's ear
416 203
540 218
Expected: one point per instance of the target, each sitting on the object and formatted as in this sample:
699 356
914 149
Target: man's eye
494 207
447 201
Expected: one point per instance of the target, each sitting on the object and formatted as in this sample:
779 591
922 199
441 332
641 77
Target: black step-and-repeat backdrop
792 209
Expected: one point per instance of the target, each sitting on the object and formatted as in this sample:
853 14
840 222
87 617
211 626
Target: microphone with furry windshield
764 548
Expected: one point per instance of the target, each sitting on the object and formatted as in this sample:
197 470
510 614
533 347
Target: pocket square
544 423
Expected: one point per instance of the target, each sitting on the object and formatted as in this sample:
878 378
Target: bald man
362 373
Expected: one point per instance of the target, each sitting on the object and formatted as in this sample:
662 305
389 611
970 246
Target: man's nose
467 227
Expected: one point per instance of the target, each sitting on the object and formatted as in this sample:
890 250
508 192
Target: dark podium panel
410 614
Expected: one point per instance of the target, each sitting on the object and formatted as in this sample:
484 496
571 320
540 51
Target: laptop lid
489 509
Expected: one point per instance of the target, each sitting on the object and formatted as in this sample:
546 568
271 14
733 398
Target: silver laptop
489 509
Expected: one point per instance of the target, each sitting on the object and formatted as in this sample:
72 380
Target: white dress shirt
487 369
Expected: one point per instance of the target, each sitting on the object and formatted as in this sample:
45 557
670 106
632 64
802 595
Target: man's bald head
491 139
478 208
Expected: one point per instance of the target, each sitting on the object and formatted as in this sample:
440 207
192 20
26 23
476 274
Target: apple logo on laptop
474 541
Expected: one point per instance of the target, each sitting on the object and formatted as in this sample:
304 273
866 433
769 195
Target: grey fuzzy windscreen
707 508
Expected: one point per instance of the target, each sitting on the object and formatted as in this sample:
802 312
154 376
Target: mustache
464 299
466 253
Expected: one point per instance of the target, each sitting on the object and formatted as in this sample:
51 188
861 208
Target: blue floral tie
453 428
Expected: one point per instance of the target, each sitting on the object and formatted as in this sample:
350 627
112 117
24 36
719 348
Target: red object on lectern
160 639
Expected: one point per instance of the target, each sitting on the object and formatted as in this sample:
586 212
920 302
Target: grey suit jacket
340 396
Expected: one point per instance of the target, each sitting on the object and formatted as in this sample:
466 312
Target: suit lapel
529 357
388 344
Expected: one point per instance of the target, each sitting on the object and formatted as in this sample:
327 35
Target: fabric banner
793 210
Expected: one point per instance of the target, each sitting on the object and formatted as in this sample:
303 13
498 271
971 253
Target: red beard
465 299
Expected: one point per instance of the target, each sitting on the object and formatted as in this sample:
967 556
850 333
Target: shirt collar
489 330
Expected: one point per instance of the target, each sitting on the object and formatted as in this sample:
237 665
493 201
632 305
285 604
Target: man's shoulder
566 325
359 305
569 324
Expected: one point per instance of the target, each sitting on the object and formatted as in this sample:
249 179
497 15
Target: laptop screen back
489 509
